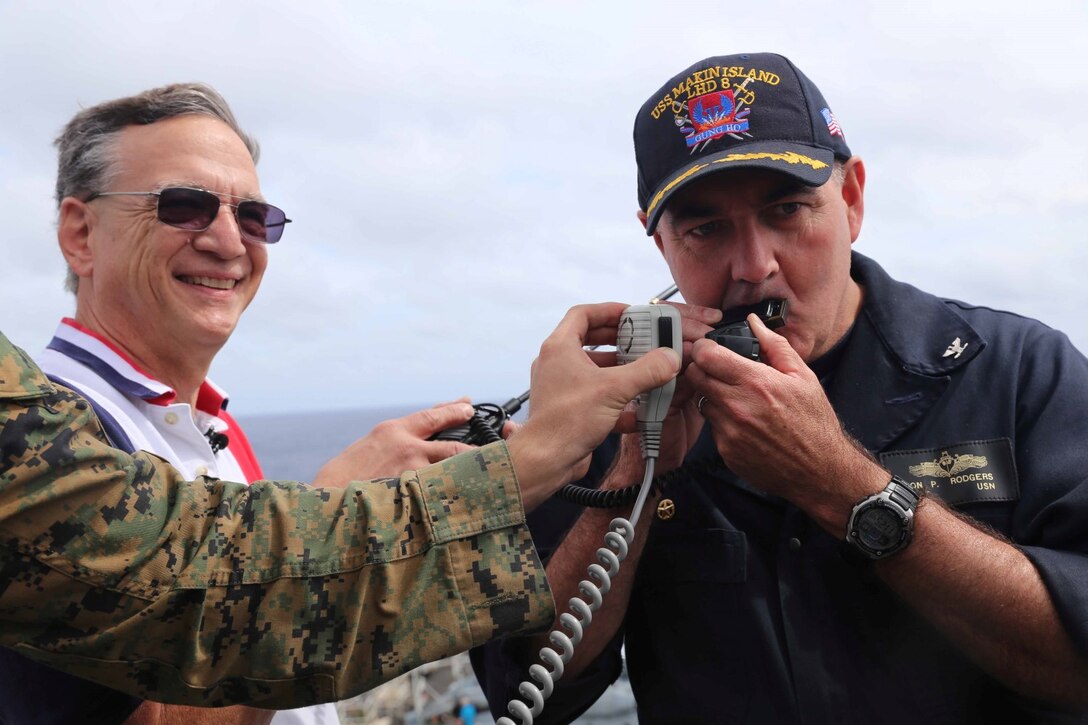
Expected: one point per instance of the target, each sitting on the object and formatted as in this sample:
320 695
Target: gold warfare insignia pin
948 465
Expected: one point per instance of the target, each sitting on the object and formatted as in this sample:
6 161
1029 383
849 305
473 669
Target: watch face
879 528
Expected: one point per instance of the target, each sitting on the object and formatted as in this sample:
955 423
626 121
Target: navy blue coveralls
745 611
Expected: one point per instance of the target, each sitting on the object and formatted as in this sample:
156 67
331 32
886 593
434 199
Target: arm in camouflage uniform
210 593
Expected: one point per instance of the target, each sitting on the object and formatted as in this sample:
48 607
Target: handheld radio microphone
486 424
643 328
736 334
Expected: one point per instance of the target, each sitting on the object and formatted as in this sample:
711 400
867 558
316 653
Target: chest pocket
682 554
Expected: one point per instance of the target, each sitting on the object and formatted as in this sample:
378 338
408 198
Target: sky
462 173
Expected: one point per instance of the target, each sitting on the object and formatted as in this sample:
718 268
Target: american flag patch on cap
832 124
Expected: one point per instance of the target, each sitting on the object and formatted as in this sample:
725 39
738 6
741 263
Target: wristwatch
883 524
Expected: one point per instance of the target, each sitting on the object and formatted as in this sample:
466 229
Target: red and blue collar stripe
115 367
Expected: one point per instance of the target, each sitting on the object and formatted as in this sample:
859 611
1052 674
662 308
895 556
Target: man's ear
74 235
657 237
853 194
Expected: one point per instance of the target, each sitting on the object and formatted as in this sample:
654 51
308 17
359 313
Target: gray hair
86 148
838 171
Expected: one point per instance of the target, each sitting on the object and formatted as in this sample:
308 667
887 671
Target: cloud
461 174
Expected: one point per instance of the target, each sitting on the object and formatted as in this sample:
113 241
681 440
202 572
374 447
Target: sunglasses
194 210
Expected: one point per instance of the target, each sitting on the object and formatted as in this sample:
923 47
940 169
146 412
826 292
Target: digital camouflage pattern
210 593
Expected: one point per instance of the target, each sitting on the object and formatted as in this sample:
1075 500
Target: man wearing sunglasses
166 234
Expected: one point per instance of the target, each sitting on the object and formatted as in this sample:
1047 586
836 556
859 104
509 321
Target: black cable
617 497
597 499
486 426
486 423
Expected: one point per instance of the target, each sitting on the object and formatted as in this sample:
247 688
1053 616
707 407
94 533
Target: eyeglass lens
195 210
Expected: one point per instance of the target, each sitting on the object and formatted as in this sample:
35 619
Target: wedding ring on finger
699 404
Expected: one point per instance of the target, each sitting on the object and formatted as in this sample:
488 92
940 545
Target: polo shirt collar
115 367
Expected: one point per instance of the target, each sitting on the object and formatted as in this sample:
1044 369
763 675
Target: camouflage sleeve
276 594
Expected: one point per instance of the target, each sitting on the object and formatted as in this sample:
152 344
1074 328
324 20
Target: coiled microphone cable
618 540
642 328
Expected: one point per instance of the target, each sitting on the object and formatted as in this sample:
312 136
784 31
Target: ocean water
294 446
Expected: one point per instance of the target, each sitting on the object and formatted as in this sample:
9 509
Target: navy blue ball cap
751 110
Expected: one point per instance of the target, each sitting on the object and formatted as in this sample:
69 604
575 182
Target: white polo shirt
140 413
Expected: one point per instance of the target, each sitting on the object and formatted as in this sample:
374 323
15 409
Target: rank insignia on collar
956 348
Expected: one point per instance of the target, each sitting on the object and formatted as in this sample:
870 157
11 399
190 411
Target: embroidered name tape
962 473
